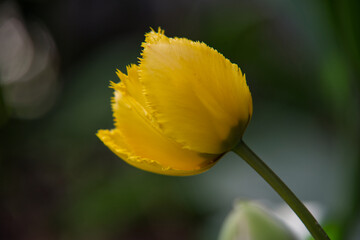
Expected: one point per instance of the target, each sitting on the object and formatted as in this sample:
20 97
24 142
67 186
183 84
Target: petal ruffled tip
155 37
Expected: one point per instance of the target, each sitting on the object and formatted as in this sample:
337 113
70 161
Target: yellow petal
139 141
131 83
197 96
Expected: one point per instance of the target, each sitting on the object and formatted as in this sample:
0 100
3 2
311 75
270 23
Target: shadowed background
58 181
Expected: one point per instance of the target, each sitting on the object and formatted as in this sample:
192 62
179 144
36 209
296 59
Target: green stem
279 186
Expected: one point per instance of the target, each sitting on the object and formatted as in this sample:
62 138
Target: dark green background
58 181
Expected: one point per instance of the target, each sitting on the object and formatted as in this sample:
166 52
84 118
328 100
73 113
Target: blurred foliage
250 220
333 230
301 60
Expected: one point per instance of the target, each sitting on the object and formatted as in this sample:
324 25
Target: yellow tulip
180 109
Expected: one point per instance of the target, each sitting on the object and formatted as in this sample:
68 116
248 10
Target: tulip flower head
180 109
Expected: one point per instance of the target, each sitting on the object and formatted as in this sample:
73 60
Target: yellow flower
180 109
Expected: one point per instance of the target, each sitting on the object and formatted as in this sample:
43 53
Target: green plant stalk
280 187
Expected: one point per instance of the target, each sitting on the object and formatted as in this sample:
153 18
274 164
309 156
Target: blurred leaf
252 221
333 230
335 84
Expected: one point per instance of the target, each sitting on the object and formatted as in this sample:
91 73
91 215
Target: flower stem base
280 187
